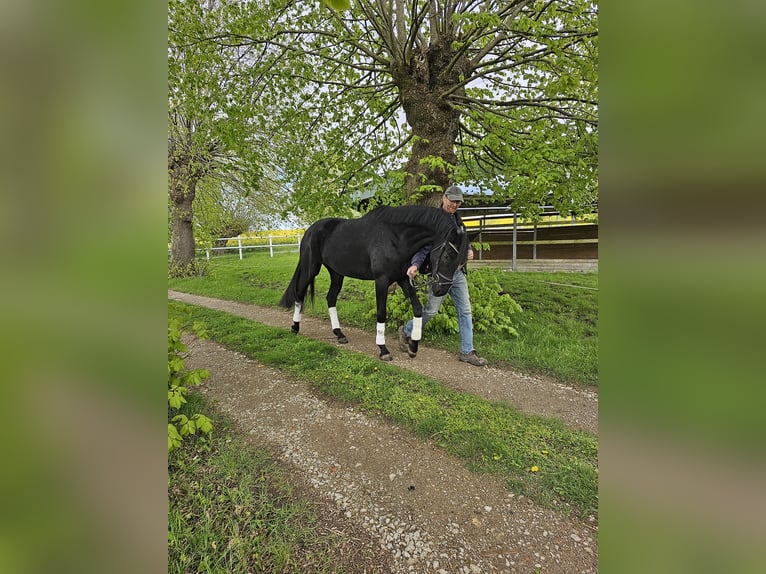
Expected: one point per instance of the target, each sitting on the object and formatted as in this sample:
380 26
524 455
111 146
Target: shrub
179 380
492 308
197 268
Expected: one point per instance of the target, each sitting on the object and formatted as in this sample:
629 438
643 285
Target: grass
489 437
558 330
231 509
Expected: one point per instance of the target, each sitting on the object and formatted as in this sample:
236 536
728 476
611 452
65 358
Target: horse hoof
340 336
412 355
387 357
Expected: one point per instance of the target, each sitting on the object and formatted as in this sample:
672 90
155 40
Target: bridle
439 279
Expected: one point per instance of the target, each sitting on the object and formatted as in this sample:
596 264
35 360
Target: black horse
379 247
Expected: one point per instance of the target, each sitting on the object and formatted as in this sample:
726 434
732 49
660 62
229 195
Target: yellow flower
534 469
496 457
544 451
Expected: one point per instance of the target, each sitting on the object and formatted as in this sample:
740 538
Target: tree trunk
434 122
182 190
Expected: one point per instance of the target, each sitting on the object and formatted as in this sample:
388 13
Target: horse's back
346 247
380 243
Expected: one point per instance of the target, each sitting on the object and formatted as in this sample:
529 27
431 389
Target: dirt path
577 407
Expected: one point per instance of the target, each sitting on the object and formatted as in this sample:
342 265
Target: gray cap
454 193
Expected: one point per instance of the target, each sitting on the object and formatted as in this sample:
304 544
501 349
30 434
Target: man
451 200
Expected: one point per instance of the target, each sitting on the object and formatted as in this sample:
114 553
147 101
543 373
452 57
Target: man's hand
412 270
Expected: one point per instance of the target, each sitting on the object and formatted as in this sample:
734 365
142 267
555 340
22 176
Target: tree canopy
405 98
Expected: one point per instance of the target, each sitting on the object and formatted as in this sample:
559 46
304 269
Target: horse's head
445 258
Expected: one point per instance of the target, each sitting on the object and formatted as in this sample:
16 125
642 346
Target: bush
179 380
197 268
492 308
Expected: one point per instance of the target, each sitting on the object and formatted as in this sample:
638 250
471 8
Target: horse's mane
420 215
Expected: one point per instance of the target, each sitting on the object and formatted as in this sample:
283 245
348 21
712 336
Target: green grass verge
489 437
558 330
231 509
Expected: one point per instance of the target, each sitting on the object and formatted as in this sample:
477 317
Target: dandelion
496 457
534 469
544 451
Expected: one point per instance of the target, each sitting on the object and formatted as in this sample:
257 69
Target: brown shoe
472 358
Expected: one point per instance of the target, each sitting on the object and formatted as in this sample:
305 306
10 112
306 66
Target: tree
214 114
411 96
221 211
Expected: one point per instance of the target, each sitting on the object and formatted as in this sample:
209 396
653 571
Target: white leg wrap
380 334
297 313
334 317
417 328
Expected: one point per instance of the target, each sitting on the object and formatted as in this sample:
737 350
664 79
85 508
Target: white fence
278 241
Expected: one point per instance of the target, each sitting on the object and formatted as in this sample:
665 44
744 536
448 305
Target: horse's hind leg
381 294
296 327
336 283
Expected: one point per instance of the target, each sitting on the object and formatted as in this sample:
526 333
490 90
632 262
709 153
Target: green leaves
493 310
179 380
176 397
187 426
338 4
174 438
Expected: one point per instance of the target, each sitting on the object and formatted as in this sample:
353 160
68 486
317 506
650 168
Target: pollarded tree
213 112
497 94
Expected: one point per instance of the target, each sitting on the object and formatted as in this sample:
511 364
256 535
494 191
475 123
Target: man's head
452 198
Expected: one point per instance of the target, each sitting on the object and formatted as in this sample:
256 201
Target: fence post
271 246
299 241
239 242
513 261
207 254
482 225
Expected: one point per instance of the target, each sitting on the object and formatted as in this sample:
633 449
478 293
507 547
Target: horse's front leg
417 319
336 283
381 294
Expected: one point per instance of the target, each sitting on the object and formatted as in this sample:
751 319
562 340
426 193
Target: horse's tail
305 272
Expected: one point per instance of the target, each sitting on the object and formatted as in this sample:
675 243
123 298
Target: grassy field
558 329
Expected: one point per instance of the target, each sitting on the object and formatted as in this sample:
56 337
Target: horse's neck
421 226
418 236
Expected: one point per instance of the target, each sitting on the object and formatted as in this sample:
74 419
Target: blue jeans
459 294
